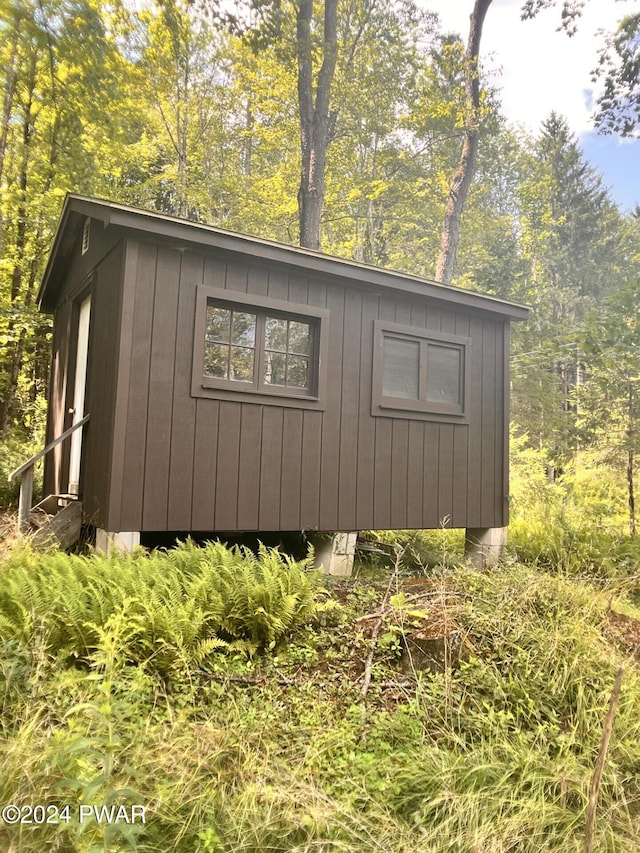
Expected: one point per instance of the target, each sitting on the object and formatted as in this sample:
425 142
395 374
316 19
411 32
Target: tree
609 401
571 234
317 124
60 75
619 64
459 190
619 104
184 126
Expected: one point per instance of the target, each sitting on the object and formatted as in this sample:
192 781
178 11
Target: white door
82 352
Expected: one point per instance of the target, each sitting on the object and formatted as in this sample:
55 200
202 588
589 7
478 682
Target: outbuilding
234 384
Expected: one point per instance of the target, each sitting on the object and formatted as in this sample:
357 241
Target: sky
539 70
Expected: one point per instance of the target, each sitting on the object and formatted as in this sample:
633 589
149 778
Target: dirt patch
624 632
430 637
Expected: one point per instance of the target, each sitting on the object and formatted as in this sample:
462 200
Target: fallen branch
376 628
248 680
594 791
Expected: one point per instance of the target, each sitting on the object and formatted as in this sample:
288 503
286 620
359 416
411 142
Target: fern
178 606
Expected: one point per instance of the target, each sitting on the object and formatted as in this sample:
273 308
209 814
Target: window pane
216 360
275 368
298 338
241 364
276 334
443 374
297 372
400 368
218 324
244 329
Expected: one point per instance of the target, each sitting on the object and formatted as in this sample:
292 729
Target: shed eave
185 231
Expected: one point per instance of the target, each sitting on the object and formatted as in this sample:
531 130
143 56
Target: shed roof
76 208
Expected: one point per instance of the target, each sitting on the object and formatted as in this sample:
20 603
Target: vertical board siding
310 470
205 467
460 475
249 467
100 400
431 483
349 405
399 469
502 427
298 289
366 423
383 428
228 467
474 477
506 415
461 326
161 390
329 474
445 475
257 281
271 468
291 470
183 421
278 284
124 363
215 271
135 439
236 276
488 425
415 475
217 465
313 430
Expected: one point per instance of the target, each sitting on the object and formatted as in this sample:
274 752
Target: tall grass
272 752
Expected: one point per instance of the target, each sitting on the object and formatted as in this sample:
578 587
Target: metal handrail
26 470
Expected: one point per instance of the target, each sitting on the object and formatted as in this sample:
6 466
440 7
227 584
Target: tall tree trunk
16 359
247 143
449 237
15 351
11 83
14 346
315 120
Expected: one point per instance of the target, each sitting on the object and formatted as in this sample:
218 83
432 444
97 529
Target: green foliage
159 609
619 64
19 446
166 108
276 752
423 549
575 524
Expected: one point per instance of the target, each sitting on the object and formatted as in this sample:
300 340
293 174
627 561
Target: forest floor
435 709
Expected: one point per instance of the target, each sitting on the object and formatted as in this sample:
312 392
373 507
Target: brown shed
237 384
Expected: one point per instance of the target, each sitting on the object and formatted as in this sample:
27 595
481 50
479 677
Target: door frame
82 324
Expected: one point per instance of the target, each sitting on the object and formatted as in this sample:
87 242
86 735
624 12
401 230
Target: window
237 342
418 370
255 345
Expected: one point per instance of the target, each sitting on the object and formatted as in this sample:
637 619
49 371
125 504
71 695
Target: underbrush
165 606
265 743
575 550
19 446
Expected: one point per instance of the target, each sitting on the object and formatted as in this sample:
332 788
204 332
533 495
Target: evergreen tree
571 237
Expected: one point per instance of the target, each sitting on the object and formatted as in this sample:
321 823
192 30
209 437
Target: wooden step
61 530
